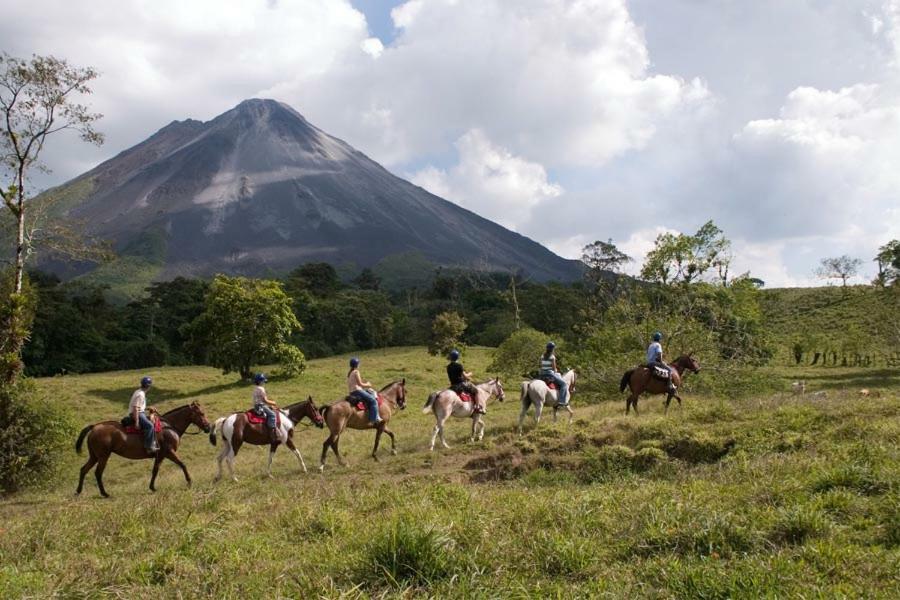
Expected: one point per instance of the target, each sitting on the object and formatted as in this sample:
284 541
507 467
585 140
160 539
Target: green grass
771 496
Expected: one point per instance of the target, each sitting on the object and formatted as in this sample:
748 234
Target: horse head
500 395
687 362
198 417
574 380
396 391
313 413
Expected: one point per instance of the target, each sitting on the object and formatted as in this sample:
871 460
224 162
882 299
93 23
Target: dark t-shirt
455 373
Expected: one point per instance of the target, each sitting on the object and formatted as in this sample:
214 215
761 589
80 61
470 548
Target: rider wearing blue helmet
550 370
265 407
362 390
461 382
137 409
655 359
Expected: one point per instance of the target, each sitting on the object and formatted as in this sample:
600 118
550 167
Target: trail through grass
771 496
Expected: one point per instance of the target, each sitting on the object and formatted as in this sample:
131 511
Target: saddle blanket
360 405
551 383
465 397
256 419
157 427
660 373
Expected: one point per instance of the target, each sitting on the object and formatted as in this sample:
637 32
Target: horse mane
169 412
391 384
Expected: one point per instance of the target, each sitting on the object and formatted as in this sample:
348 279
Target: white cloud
372 46
490 181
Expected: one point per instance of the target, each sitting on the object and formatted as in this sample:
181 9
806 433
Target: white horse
447 403
236 431
538 393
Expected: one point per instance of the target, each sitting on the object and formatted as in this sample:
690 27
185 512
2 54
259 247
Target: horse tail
81 437
429 403
523 394
625 379
216 429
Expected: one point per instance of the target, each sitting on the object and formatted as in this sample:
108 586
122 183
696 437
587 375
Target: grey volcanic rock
259 189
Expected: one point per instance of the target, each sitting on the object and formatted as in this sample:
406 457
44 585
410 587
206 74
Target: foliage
840 267
17 311
319 279
446 333
518 355
246 322
33 434
407 553
888 259
685 258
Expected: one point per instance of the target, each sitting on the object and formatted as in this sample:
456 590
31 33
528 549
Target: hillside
770 496
837 321
259 190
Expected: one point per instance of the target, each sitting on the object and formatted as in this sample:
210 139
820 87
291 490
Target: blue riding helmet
259 378
354 362
657 336
454 355
146 381
550 345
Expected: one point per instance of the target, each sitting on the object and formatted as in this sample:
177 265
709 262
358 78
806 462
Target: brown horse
236 431
640 380
109 437
343 414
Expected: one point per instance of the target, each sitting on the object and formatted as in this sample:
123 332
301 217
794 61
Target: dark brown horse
109 437
343 414
640 380
236 431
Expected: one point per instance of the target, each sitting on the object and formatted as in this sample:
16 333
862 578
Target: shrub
606 463
446 333
698 449
796 525
407 553
33 435
858 478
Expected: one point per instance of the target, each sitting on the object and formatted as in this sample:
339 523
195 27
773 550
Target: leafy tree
840 267
687 258
888 259
37 99
247 322
604 256
367 280
446 333
518 355
320 279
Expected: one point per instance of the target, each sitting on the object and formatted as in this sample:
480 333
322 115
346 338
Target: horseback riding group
145 434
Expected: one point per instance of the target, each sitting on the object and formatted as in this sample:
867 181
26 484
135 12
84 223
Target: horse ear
403 381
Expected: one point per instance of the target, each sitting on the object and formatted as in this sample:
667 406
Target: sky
568 121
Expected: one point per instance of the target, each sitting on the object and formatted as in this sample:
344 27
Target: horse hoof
321 468
104 495
393 453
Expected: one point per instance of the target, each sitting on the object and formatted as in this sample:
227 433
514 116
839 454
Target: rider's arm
555 368
467 375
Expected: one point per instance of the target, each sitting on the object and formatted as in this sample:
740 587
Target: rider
362 390
549 370
265 407
136 408
655 359
460 382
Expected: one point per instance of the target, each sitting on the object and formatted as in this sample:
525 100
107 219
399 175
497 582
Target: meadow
775 495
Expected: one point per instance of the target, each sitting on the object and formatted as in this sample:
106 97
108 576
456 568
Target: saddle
360 405
551 383
132 429
255 419
659 372
465 397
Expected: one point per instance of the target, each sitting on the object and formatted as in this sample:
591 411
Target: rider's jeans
270 416
562 387
147 427
371 400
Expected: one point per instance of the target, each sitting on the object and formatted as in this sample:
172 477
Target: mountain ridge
260 188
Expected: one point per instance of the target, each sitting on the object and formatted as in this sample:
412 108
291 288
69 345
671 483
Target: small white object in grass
798 387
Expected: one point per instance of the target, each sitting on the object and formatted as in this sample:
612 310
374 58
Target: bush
518 355
446 333
407 554
33 434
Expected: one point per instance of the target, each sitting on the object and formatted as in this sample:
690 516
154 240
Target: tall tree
888 259
840 267
247 322
685 258
37 99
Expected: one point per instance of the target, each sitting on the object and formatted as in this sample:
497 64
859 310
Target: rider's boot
672 389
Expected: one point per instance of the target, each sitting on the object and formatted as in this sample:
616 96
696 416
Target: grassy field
772 496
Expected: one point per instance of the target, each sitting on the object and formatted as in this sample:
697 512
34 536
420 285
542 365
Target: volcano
260 190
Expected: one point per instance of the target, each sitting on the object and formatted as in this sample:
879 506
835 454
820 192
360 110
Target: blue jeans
371 400
146 426
561 386
270 416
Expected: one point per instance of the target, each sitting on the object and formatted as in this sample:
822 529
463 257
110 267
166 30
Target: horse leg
474 428
175 459
525 403
378 433
555 411
434 435
101 465
91 461
296 451
156 462
480 428
668 400
272 448
337 452
235 446
571 412
538 409
393 442
226 448
441 426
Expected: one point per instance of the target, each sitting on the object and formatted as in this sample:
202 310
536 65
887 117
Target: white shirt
259 396
654 351
138 401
